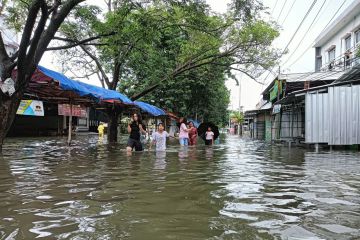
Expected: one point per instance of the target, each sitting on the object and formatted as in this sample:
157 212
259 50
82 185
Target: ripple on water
239 189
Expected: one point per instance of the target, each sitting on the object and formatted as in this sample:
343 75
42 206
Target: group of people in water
187 134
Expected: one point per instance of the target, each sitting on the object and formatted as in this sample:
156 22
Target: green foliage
179 47
15 13
237 117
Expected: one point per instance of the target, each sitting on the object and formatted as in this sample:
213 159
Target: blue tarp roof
155 111
98 93
84 89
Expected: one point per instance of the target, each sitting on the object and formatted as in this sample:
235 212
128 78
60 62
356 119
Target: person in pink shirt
184 133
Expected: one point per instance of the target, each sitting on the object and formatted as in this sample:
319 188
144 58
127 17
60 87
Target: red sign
77 110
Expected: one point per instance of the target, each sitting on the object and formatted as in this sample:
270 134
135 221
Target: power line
282 8
292 5
274 7
307 31
296 31
314 40
301 23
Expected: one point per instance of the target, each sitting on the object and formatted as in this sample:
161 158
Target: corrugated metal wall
333 117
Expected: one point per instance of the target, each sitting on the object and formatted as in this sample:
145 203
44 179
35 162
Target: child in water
159 138
209 137
101 128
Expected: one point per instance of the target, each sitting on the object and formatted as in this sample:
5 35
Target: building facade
336 47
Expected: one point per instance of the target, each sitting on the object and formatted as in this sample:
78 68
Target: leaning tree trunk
113 115
8 108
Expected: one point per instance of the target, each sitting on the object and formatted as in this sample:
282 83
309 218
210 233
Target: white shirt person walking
209 137
159 138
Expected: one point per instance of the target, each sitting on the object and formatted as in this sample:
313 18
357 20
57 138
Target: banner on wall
31 108
77 110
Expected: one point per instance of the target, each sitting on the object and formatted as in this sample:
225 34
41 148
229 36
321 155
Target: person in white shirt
159 138
209 137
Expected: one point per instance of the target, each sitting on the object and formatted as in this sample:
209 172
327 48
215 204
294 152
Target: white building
9 36
332 112
336 46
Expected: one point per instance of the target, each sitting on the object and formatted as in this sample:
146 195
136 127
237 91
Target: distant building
336 47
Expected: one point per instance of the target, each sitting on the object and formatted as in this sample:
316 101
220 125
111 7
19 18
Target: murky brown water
236 190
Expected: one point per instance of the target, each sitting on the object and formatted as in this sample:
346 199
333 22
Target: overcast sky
289 19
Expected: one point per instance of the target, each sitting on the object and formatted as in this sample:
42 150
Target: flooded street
239 189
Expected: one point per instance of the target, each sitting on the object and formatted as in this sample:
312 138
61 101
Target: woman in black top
135 128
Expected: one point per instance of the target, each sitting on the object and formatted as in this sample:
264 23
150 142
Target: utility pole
239 124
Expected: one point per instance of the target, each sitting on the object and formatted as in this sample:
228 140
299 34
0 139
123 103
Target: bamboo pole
70 125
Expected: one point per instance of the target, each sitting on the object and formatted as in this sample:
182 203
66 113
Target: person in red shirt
192 134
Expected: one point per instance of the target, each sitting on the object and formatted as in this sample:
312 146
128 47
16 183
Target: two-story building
336 48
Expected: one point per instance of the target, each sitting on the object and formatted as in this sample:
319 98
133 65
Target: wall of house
338 39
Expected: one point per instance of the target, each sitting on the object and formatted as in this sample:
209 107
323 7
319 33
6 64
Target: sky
300 56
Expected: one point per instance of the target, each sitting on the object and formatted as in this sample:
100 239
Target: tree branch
3 54
4 59
53 27
76 42
189 65
37 34
98 64
26 35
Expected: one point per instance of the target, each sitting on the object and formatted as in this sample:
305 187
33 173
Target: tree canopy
175 54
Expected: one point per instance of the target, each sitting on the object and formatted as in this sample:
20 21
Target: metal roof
308 76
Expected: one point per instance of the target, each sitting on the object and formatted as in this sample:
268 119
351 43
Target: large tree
171 49
37 21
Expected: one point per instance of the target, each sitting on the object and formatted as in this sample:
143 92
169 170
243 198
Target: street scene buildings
180 119
320 107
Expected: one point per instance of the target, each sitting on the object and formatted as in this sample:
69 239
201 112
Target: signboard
77 110
275 90
31 108
276 109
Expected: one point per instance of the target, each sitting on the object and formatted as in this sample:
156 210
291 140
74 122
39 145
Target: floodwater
239 189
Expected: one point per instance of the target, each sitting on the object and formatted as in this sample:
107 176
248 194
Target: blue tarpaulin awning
84 89
93 92
154 111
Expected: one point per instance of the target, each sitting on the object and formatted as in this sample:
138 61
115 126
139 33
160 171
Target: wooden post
70 125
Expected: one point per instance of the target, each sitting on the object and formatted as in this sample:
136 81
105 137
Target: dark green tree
37 22
176 50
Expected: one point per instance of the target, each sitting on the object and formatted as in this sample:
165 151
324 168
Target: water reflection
234 190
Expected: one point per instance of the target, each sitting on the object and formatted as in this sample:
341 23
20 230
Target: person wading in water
184 133
135 128
192 134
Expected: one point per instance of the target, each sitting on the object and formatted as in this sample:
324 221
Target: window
357 36
331 54
348 43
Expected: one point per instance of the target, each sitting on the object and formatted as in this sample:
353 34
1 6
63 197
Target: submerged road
239 189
